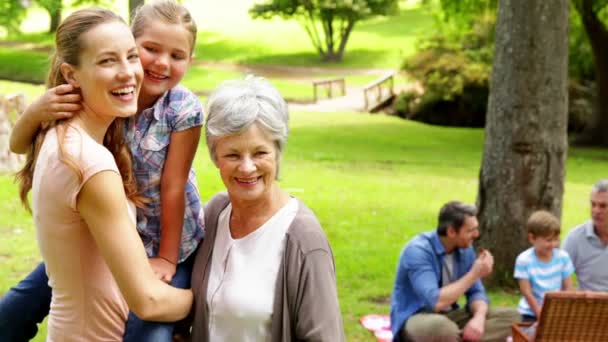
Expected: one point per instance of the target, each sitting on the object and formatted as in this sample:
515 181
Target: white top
447 269
243 277
447 276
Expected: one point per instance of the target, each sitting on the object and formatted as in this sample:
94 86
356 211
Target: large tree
54 8
328 23
525 136
13 11
590 12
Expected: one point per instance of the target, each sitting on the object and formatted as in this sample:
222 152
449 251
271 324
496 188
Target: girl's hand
163 269
60 102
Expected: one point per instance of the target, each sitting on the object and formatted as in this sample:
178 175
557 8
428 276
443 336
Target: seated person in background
435 268
587 244
542 267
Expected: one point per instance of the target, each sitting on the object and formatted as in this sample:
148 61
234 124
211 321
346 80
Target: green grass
23 65
380 42
227 34
374 182
200 78
31 91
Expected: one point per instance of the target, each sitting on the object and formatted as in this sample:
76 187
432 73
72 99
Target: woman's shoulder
216 204
306 230
83 147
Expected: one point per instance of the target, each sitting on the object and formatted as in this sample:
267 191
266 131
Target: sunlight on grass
30 91
374 181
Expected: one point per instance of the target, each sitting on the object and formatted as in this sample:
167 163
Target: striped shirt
148 136
543 276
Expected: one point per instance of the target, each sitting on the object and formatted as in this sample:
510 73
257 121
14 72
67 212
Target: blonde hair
68 48
543 223
167 11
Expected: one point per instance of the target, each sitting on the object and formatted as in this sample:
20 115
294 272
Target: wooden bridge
369 98
379 93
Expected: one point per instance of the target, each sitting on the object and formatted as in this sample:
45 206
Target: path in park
352 101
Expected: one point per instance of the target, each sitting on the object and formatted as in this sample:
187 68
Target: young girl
163 137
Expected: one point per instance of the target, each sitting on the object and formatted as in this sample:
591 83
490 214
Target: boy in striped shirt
542 267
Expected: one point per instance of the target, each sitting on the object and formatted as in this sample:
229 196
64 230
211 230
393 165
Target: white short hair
236 105
600 186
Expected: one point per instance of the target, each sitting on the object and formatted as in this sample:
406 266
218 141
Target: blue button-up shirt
148 136
418 280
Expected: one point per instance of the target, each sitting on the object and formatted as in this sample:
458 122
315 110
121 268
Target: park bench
328 85
568 316
379 92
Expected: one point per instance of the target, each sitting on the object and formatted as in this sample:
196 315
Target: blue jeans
138 330
26 305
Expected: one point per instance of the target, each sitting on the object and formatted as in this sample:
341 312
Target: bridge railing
328 86
378 92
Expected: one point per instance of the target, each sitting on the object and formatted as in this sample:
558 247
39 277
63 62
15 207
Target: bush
454 70
581 104
580 64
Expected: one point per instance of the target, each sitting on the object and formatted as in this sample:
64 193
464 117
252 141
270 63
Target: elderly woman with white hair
265 270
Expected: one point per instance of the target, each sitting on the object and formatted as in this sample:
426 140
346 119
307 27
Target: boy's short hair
543 223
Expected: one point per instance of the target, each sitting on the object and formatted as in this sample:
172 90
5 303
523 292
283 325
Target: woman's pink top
87 304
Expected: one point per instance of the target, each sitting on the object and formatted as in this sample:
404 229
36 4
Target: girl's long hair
68 47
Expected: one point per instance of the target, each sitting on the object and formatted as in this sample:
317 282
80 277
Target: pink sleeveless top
87 304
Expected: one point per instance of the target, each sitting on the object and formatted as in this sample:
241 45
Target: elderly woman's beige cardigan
306 301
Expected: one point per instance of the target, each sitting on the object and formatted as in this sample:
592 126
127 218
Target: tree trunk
344 36
133 4
55 20
596 31
331 57
525 136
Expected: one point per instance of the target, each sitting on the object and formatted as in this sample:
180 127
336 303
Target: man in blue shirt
435 269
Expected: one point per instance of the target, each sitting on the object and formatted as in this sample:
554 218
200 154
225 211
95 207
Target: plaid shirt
148 136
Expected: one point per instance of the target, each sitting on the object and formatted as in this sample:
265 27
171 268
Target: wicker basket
569 316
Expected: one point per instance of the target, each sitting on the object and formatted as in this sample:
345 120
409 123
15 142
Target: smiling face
248 164
544 245
469 232
599 210
109 73
165 51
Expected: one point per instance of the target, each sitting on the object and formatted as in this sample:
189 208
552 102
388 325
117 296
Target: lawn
227 34
374 181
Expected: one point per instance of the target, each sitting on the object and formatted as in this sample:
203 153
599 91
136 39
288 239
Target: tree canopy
328 23
13 11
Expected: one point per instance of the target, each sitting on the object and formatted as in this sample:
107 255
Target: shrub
454 70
